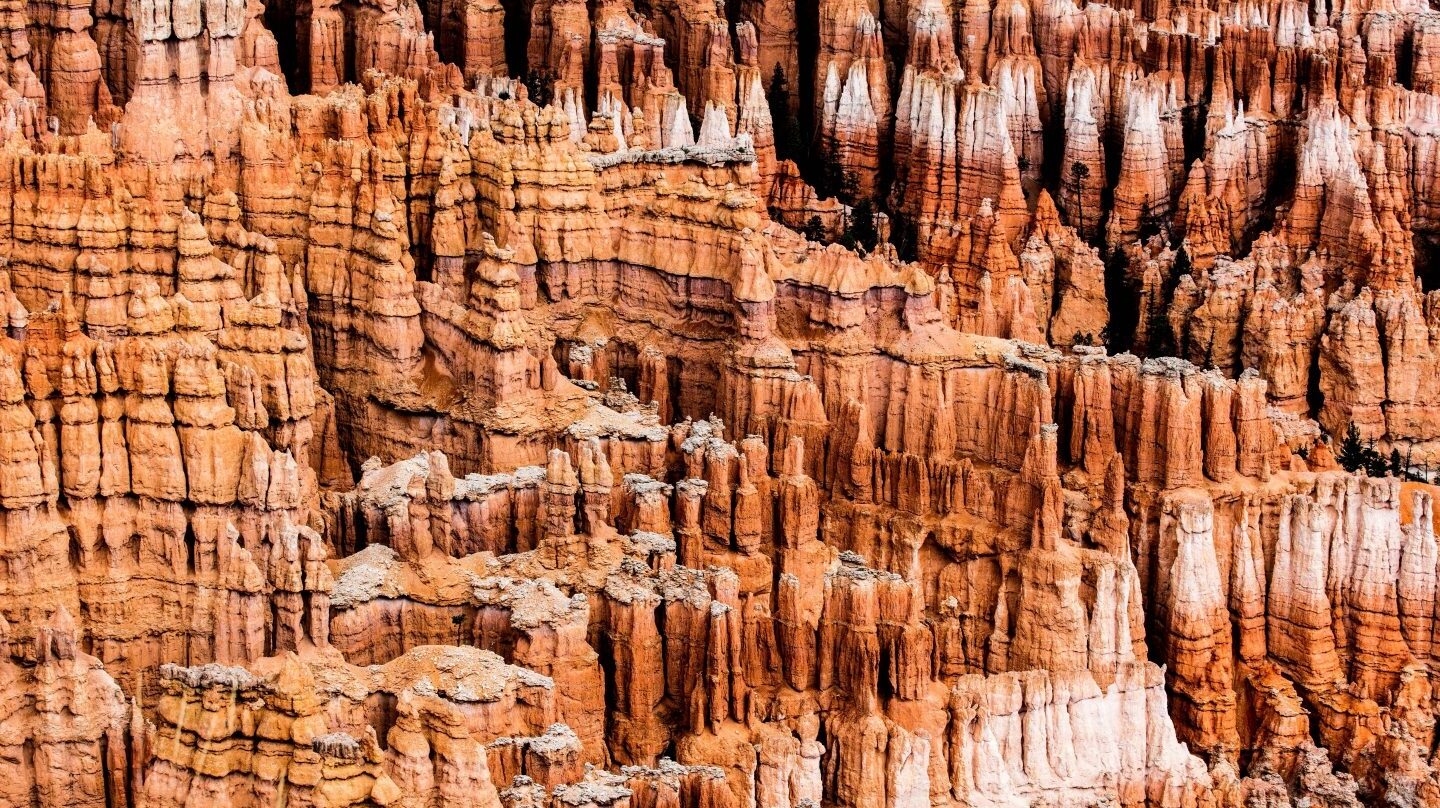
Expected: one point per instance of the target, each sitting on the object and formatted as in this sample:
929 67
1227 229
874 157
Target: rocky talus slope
761 404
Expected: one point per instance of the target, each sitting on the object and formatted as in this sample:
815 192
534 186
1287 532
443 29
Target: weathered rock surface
464 403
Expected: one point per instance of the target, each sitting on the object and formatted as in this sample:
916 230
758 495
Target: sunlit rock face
756 405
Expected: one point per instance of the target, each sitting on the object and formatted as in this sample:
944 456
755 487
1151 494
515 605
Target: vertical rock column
184 106
69 64
855 113
1198 649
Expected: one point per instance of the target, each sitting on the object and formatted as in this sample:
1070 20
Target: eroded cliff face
460 403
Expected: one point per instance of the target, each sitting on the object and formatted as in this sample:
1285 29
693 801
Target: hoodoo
678 404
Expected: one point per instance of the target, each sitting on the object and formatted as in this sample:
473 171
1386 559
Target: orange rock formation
752 405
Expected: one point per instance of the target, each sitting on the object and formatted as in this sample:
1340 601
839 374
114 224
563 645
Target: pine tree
1356 455
539 84
834 181
1351 456
814 229
1375 464
789 143
1079 172
1182 262
861 230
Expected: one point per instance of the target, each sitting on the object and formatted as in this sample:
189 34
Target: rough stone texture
372 434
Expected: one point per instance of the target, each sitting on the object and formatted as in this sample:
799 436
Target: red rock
373 435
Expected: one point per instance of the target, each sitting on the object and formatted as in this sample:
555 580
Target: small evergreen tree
861 230
1152 225
1375 465
789 143
540 85
834 181
1079 172
1182 262
814 230
1351 456
1356 455
905 238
